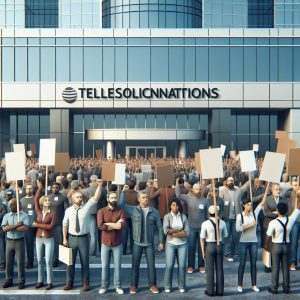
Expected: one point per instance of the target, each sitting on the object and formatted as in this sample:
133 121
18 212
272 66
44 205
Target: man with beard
232 207
27 206
198 213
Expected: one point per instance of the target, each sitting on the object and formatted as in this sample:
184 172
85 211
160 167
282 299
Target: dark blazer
49 221
270 206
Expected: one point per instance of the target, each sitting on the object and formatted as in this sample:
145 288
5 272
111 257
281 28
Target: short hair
131 184
110 193
178 203
113 188
65 184
142 185
142 192
55 183
282 208
180 180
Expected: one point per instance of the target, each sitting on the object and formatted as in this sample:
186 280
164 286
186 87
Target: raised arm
36 201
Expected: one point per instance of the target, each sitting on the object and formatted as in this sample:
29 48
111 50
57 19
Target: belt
78 235
15 239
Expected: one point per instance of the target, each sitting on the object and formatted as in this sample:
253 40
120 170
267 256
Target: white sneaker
240 289
255 288
102 291
182 290
119 291
230 259
167 291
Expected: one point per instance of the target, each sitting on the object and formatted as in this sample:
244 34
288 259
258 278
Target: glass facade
79 13
150 59
12 13
238 13
41 14
287 13
152 14
82 122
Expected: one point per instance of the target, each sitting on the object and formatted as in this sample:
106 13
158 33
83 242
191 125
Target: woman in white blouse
246 224
176 228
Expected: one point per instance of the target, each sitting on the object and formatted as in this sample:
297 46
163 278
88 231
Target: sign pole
250 186
18 204
46 184
216 213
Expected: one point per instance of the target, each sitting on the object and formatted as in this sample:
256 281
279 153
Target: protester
111 221
176 229
45 222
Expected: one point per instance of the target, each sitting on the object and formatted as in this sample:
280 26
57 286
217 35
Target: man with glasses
27 206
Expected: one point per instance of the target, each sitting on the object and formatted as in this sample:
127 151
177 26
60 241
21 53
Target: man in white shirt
279 230
213 253
76 230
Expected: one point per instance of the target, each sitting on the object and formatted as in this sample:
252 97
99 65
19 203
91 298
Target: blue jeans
194 243
105 259
136 260
172 251
294 239
45 246
93 235
252 248
232 241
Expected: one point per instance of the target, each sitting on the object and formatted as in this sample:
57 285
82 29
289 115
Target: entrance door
146 152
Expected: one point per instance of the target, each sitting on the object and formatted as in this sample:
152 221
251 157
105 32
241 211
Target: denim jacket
136 214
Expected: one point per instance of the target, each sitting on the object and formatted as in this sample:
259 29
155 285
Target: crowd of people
80 211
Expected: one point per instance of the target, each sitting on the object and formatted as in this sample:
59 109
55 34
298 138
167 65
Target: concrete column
60 128
182 146
292 125
110 149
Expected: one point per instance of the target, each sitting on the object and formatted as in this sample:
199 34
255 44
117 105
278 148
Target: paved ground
195 284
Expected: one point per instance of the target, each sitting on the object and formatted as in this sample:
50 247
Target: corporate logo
69 95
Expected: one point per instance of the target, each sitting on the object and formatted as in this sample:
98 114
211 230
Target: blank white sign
248 163
255 147
19 148
223 148
146 168
47 152
272 167
15 166
211 163
119 174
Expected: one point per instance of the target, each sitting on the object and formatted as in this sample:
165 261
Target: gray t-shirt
145 243
231 195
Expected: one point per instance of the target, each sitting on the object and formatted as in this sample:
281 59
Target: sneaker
255 288
167 291
229 258
190 270
202 270
2 267
102 291
268 270
154 289
182 290
119 291
7 284
21 285
133 290
240 289
293 267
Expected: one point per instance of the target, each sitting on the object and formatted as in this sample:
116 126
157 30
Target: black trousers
214 263
29 244
58 240
280 255
127 232
15 248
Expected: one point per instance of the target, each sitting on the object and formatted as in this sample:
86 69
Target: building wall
287 13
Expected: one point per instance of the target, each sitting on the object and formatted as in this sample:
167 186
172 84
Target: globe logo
69 95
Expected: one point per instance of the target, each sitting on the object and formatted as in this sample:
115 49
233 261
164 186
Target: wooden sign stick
46 184
250 186
298 179
17 196
266 192
167 196
216 213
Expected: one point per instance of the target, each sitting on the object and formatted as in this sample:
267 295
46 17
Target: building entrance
146 151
